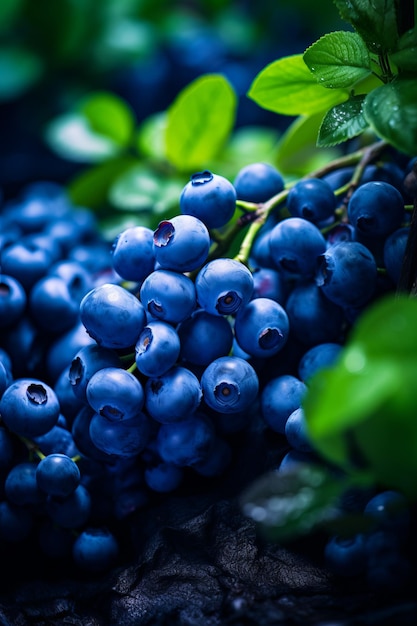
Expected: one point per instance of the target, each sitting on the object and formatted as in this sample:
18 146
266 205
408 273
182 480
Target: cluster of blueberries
126 365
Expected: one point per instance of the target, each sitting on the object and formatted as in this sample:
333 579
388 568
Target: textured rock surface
199 562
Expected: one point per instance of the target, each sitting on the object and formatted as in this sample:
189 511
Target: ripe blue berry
295 244
95 549
279 398
223 285
157 348
186 442
132 253
312 199
376 209
115 393
210 197
113 316
57 475
123 438
168 296
172 396
181 244
204 337
29 407
12 300
262 327
230 384
258 182
347 273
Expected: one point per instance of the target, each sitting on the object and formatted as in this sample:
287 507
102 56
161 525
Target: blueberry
115 393
95 549
21 487
181 244
12 300
86 362
52 305
223 285
345 556
57 475
132 253
186 442
29 407
157 348
269 283
113 316
123 438
164 477
317 357
295 245
312 199
394 251
262 327
168 296
204 337
27 262
230 384
376 209
296 431
279 398
347 273
173 395
313 317
258 182
210 197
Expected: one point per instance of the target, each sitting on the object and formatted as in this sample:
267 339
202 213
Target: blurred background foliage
55 52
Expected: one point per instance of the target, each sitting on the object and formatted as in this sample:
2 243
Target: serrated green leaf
375 22
199 122
338 59
288 87
19 70
342 122
109 116
297 152
293 502
392 113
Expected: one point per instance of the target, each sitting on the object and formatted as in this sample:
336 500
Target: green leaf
72 138
338 59
361 412
293 502
150 138
141 188
19 70
109 116
388 328
392 113
376 22
246 145
91 187
343 122
288 87
199 122
406 57
297 152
